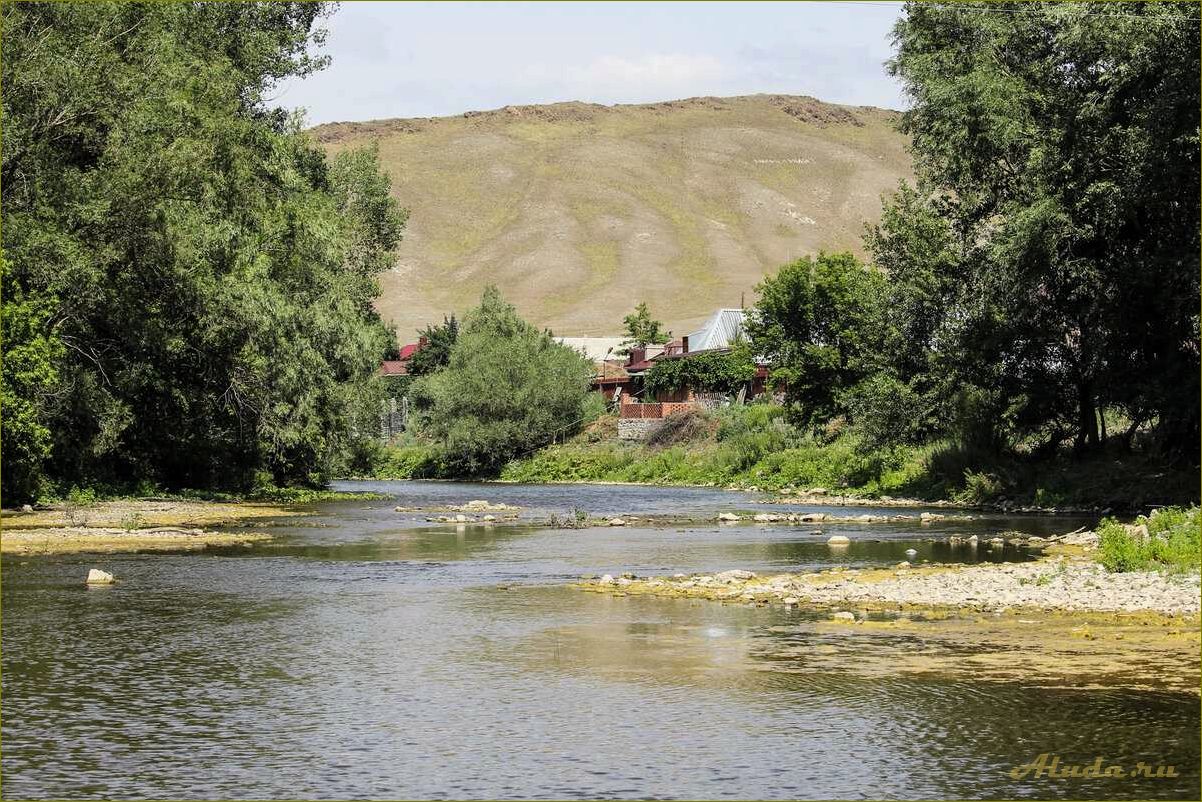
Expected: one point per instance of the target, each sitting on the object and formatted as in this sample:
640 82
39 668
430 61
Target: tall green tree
508 390
196 276
436 353
641 329
817 324
1060 143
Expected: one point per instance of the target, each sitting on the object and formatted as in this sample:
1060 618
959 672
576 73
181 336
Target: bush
1172 541
507 391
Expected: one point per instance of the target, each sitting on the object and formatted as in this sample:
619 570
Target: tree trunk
1087 419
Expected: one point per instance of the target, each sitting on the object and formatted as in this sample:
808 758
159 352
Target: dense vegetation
1045 269
187 280
1169 538
1042 279
757 446
506 390
710 371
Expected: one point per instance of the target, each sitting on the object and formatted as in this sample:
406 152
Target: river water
366 653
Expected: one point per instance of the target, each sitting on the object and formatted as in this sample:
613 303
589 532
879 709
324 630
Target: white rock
838 540
843 616
616 522
607 579
734 575
727 516
26 508
762 518
490 518
98 577
911 552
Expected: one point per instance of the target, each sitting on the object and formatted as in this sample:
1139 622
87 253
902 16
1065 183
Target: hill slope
578 211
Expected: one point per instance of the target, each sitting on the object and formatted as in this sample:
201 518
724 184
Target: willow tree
190 274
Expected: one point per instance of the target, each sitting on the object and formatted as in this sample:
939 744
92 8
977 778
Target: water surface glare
367 653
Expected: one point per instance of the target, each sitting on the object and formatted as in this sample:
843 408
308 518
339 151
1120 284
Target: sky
415 59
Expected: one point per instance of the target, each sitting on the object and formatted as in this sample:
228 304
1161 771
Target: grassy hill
577 211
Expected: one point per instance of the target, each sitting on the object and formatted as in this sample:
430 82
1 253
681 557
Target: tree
1060 144
641 329
508 389
195 274
817 324
436 353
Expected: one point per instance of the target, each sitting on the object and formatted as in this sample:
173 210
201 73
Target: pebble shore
1051 584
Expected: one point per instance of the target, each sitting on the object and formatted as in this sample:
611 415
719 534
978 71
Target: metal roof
595 348
723 328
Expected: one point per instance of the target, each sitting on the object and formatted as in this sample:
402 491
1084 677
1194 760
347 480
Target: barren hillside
578 211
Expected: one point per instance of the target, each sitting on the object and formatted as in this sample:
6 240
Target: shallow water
367 653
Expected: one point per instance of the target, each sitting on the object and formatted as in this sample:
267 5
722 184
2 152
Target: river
368 653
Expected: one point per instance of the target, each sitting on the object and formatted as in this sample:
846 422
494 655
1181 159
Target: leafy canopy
188 281
508 389
641 329
817 324
1048 260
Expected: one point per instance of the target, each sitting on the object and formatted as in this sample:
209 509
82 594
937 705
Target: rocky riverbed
1060 583
131 525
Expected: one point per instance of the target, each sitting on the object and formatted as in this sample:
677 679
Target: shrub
507 391
1172 541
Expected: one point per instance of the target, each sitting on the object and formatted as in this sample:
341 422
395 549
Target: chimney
422 341
637 355
684 344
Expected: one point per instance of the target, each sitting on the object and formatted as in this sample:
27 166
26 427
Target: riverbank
755 448
1061 584
132 525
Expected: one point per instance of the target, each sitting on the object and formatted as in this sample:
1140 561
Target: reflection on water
376 655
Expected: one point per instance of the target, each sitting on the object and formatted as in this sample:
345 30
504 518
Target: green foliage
757 445
32 354
509 389
189 282
706 371
887 412
406 462
817 324
133 521
1172 541
309 495
641 329
436 353
1047 265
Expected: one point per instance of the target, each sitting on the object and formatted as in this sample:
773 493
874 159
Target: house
400 366
639 417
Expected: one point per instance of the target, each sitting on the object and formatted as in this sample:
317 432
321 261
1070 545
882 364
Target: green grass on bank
755 446
90 496
1167 539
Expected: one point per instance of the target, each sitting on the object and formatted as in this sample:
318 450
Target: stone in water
98 577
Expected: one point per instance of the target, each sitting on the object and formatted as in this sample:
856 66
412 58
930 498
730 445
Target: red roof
407 351
394 367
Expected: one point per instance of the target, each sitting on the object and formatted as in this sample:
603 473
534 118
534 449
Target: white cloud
616 78
654 69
